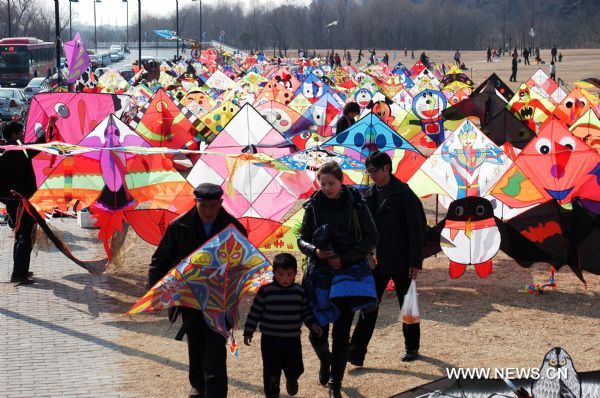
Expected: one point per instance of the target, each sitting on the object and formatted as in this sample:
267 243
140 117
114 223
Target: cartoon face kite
428 106
561 165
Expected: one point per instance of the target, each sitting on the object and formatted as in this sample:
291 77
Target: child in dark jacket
280 308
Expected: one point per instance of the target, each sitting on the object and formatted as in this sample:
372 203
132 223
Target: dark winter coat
354 234
184 235
16 172
399 221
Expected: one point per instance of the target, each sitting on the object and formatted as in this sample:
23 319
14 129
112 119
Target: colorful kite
77 57
165 122
213 278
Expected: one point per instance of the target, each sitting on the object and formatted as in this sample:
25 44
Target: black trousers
340 337
526 61
513 76
363 331
280 353
207 355
23 240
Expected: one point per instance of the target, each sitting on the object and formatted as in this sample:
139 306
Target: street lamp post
127 20
200 38
9 24
140 33
95 31
177 24
70 22
57 38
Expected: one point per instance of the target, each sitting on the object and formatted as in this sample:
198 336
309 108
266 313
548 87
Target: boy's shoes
410 356
335 391
195 393
291 387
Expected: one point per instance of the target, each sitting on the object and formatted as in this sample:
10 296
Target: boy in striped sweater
280 307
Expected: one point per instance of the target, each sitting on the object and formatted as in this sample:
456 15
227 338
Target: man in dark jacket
16 174
206 348
351 111
399 218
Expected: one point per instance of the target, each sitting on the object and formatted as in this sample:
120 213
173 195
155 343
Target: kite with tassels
250 190
111 182
213 278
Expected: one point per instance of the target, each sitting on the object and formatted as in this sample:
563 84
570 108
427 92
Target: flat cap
208 191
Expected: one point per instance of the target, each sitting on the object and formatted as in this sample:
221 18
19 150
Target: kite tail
536 288
95 267
109 222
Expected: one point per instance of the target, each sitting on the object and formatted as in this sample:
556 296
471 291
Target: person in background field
338 61
337 214
424 59
513 76
552 71
489 54
457 57
554 53
526 56
360 55
348 58
400 221
386 59
17 175
560 57
206 347
280 308
351 111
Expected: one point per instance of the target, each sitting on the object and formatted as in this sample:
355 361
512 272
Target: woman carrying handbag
337 235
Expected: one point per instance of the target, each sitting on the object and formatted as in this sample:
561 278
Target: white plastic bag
410 308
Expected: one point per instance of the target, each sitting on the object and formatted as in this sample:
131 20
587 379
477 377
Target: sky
113 12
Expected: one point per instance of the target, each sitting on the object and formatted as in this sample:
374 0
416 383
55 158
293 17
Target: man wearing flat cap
206 348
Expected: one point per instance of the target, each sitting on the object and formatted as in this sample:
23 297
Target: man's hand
247 340
323 254
317 329
335 263
413 273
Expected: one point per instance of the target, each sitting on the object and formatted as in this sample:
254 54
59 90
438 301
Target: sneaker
22 280
291 387
410 356
195 393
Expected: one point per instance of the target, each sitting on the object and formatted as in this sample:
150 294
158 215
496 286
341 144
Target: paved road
54 336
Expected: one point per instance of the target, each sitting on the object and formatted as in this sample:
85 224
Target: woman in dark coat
337 235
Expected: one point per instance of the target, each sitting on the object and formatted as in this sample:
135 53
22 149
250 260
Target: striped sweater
279 310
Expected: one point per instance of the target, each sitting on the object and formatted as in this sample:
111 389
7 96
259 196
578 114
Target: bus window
13 59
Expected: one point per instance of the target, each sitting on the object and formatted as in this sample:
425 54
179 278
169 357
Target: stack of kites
517 172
